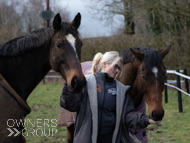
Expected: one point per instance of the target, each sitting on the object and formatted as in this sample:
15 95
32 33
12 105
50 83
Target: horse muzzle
156 116
77 85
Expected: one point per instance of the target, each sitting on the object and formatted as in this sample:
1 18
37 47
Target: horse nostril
74 82
153 114
157 117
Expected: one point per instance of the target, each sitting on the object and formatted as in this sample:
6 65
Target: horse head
150 79
65 52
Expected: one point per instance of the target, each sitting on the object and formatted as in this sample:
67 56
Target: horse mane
25 43
151 56
35 39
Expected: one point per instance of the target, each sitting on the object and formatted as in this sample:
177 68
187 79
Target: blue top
106 92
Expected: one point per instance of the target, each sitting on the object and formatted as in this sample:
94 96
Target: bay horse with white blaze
144 70
25 60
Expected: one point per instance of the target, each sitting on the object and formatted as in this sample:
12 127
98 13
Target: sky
89 27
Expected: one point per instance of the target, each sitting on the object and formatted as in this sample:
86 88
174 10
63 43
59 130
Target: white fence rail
177 73
178 87
53 76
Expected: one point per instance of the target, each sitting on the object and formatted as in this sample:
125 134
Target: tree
9 21
158 15
20 17
167 15
63 10
107 9
154 17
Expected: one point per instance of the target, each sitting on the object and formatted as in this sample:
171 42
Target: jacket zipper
102 106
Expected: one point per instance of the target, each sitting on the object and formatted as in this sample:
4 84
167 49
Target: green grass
44 102
40 123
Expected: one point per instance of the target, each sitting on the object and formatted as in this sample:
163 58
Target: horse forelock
20 45
67 28
152 59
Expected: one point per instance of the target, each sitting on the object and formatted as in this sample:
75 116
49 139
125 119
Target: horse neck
128 74
135 94
25 71
131 73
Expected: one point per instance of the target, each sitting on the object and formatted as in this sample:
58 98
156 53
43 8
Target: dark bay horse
25 60
144 70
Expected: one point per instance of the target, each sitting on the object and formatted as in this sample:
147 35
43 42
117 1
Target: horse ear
76 21
164 52
138 55
57 22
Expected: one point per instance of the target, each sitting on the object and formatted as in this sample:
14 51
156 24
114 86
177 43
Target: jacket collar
104 76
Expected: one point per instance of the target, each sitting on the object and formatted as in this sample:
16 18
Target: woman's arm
134 119
69 100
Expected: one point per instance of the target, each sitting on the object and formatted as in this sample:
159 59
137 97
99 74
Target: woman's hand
153 122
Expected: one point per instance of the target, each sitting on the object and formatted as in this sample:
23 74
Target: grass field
41 125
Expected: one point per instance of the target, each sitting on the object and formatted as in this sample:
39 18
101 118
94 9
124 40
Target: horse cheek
55 61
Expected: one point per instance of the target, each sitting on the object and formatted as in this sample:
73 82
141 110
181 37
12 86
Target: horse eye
58 45
142 75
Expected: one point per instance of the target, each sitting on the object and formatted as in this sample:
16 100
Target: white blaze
71 39
155 71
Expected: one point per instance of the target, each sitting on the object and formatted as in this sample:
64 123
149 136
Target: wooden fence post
165 91
186 81
179 92
43 80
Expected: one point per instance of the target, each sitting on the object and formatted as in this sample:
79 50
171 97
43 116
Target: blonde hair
108 57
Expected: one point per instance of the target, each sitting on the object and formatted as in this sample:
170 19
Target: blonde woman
101 117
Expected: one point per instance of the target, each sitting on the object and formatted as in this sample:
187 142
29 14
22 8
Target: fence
52 74
178 87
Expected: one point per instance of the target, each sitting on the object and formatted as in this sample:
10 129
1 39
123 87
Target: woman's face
111 70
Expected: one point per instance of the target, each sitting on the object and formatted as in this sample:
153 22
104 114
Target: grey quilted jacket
86 106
